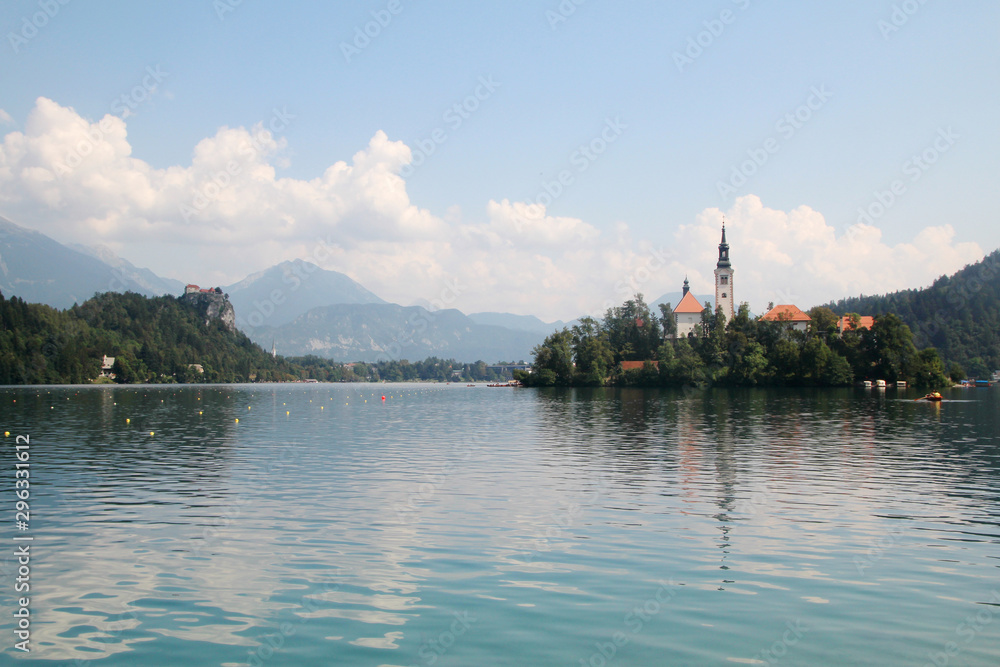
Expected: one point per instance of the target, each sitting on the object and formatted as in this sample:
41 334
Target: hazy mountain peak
279 294
41 270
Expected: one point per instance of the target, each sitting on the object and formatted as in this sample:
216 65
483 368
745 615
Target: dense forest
163 339
959 315
152 340
744 352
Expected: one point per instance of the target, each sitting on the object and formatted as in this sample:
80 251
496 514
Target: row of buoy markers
128 420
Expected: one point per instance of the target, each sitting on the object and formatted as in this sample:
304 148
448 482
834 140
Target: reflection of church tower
724 279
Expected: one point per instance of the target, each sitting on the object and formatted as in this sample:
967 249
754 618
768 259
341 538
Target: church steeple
723 250
724 279
687 288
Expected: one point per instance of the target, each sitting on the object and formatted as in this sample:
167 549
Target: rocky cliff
212 305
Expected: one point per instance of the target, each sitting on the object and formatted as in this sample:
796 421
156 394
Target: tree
824 320
667 321
889 347
592 353
687 367
750 366
837 372
930 370
633 333
554 359
784 359
956 372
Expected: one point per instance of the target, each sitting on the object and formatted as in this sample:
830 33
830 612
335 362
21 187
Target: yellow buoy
151 433
6 434
237 420
128 421
199 412
287 412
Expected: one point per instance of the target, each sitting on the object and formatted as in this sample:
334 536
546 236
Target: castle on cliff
212 304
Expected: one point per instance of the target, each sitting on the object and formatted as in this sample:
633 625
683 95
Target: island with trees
633 347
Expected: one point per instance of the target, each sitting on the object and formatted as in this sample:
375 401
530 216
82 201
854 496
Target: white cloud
229 213
5 118
796 257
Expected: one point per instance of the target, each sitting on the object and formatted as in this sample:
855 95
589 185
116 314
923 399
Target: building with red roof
789 313
687 314
845 323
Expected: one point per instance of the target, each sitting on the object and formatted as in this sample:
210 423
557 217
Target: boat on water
934 396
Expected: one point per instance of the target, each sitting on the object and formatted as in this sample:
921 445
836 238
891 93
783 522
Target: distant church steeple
724 278
723 250
687 288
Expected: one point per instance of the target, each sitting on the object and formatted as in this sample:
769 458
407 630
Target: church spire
723 250
687 288
724 298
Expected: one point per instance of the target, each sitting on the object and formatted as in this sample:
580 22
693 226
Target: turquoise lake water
450 525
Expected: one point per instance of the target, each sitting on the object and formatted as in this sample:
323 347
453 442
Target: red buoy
383 398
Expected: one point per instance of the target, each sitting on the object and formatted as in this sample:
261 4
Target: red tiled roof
866 322
689 304
786 313
633 365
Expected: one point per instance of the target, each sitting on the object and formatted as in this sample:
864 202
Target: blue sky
670 122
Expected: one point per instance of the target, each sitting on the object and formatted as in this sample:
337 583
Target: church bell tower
724 279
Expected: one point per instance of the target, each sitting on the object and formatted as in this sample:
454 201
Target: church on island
687 314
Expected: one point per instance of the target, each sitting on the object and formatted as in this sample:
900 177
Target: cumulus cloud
796 257
5 118
230 213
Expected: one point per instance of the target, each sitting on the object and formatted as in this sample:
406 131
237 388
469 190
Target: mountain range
296 306
303 309
41 270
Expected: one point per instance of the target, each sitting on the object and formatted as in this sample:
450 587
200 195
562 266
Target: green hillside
959 315
152 340
161 339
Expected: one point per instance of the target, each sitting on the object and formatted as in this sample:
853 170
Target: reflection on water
319 524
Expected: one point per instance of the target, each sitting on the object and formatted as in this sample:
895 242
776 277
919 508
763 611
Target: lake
316 524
